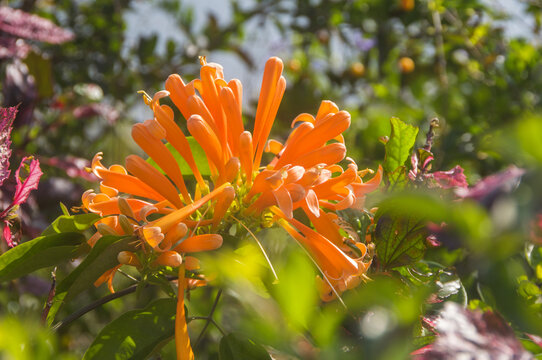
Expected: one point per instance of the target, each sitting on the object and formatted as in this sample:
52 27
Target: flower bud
169 258
128 258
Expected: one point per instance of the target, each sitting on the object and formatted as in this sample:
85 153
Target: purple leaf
465 334
7 115
491 186
451 178
23 189
22 24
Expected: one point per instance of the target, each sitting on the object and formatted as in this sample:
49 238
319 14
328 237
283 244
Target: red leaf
7 233
7 115
22 24
23 189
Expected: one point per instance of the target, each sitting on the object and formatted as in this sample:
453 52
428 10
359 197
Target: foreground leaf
235 347
400 239
101 258
39 253
75 223
135 334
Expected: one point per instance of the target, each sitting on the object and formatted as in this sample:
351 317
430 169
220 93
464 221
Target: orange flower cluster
304 173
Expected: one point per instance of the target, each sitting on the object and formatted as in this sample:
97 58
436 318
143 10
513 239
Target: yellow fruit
357 69
406 65
407 5
294 65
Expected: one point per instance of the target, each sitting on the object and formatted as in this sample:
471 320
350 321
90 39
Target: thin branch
76 315
439 42
260 245
209 319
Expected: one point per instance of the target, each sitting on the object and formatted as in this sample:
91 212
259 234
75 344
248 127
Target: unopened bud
169 258
105 229
126 225
128 258
125 208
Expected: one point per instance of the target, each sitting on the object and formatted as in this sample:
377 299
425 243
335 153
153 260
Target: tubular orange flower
153 204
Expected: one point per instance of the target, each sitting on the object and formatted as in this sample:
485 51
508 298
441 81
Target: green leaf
135 334
400 238
71 223
64 209
236 347
402 139
41 252
101 258
197 152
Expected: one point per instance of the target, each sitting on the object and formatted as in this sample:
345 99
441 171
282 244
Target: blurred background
476 65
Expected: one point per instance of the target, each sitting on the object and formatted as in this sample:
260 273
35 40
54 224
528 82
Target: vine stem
210 319
76 315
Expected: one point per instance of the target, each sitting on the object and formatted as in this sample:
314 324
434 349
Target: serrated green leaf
71 223
237 347
135 334
101 258
41 252
402 139
197 152
400 239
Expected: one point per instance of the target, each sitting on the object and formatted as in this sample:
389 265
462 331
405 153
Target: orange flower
214 117
304 174
340 271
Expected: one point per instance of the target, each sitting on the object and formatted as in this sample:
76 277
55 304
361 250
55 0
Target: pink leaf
7 115
451 178
23 189
22 24
418 354
535 338
108 112
470 334
74 166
